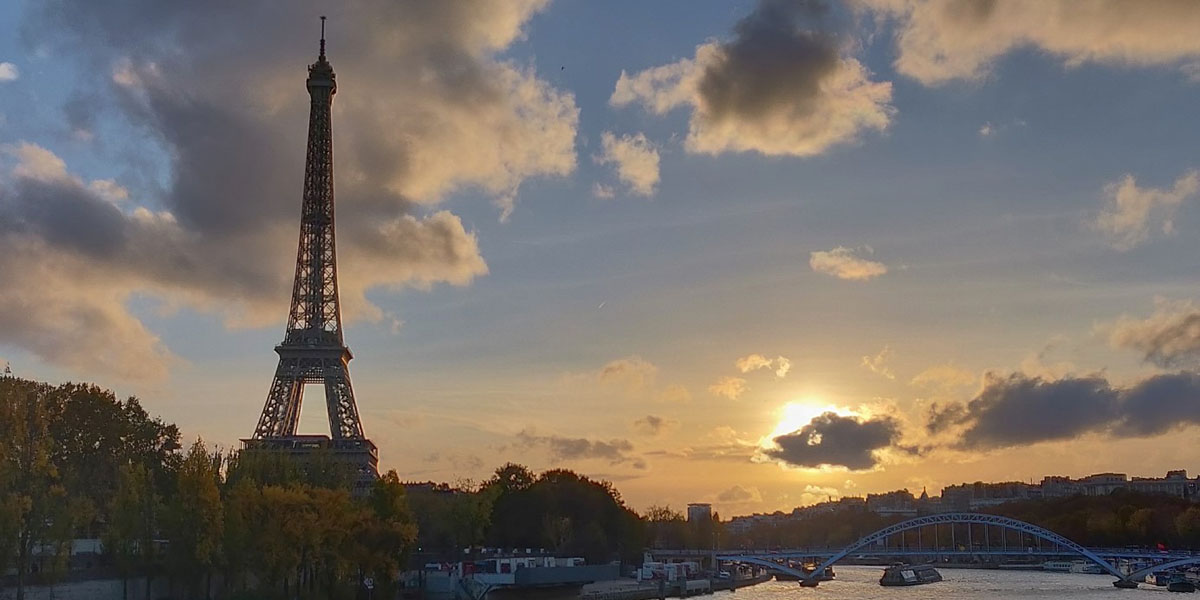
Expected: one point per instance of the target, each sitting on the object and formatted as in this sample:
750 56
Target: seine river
862 583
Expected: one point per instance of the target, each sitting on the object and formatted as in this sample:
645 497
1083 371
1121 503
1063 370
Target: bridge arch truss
972 518
958 518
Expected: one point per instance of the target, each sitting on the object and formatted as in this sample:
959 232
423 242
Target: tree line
76 462
1122 518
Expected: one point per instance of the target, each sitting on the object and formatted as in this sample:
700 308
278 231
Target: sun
796 414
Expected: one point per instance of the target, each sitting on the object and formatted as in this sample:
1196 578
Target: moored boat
1057 566
1159 578
1178 583
826 575
1083 566
898 575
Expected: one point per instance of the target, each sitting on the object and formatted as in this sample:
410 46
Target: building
974 496
699 512
896 503
1103 484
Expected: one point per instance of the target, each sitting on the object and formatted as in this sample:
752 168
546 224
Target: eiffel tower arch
313 350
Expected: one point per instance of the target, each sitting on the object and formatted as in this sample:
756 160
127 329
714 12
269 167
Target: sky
754 253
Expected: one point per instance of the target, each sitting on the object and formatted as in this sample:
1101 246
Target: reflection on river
862 583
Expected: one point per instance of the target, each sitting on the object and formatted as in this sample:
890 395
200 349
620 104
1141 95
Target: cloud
615 451
729 387
835 440
1168 338
636 160
9 72
1191 71
633 372
943 377
740 495
654 425
603 192
942 40
426 107
1019 410
675 393
878 364
780 364
73 253
1131 211
844 263
782 85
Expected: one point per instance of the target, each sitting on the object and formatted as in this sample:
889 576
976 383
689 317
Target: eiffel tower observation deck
313 350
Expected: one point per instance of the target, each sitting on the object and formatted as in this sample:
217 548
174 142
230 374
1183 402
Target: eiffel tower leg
281 414
339 399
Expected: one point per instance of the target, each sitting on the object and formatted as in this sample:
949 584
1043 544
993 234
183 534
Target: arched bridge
1066 546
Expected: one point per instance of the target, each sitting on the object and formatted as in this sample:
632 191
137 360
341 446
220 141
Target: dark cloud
1018 409
66 215
832 439
783 85
772 61
616 451
653 424
1159 404
1023 410
426 106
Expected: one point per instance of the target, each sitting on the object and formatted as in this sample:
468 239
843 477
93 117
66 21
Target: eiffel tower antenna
322 56
313 350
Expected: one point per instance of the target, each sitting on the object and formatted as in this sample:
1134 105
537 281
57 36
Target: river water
862 583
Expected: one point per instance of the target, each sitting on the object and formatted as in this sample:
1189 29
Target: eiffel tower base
352 461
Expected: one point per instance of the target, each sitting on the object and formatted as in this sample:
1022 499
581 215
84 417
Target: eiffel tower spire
313 350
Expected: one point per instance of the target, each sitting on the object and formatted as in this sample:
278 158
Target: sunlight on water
862 583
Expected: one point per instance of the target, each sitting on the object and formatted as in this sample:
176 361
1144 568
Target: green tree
387 533
95 435
1188 526
34 500
195 519
129 537
242 502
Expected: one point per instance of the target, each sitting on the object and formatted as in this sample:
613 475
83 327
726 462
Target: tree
242 502
34 500
1188 526
667 527
387 533
129 537
95 435
195 518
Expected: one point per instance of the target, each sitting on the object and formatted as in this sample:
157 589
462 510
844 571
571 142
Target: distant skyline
752 253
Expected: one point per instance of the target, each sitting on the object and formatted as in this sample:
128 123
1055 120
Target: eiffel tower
313 350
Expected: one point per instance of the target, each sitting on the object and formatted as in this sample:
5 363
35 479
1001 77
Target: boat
1125 584
1178 583
1083 566
1159 578
1057 566
900 574
827 575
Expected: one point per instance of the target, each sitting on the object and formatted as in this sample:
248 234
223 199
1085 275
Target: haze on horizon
754 253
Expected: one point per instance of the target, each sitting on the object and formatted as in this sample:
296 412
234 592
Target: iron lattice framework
313 350
940 519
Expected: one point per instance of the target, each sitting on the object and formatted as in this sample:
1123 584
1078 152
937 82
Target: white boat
1057 566
1083 566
